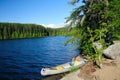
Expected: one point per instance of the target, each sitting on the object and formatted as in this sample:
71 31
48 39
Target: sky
49 13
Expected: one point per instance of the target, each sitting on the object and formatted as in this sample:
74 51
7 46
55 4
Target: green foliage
94 21
114 15
98 57
17 30
73 68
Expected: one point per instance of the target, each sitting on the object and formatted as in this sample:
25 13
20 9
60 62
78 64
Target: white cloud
68 23
53 25
56 25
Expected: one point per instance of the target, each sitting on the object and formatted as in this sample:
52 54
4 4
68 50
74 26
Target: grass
74 68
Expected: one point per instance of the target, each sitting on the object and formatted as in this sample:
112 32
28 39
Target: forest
18 30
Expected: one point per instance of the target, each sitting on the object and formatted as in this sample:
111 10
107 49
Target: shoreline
73 75
110 71
89 71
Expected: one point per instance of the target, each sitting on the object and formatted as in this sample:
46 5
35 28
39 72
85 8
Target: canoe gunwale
53 70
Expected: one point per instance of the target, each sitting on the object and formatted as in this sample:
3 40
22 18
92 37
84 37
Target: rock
113 51
78 57
72 76
98 45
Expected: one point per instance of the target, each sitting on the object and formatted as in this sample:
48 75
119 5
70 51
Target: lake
22 59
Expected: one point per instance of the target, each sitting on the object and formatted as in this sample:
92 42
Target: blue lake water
22 59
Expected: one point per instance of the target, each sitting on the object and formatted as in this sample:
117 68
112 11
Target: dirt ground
109 71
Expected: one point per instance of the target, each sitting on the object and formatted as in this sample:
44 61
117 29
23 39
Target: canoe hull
65 68
52 72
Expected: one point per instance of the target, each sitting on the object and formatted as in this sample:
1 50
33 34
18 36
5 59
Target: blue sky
50 13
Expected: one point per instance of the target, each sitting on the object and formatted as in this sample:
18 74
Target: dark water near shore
22 59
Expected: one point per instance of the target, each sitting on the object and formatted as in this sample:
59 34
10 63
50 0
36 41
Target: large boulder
113 51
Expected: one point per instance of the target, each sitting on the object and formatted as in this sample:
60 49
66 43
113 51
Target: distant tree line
17 30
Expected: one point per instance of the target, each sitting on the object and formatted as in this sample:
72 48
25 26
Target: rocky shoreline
110 70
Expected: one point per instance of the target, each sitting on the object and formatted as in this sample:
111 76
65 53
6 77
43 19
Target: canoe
62 68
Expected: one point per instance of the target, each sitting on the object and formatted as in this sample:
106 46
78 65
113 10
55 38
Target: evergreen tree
17 30
95 21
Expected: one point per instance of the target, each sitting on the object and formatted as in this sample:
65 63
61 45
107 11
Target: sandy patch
110 71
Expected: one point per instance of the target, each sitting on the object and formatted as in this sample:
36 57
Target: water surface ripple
22 59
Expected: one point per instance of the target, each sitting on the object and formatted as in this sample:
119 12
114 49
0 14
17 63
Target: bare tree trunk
83 18
107 3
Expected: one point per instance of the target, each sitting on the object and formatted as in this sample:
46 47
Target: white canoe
62 68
